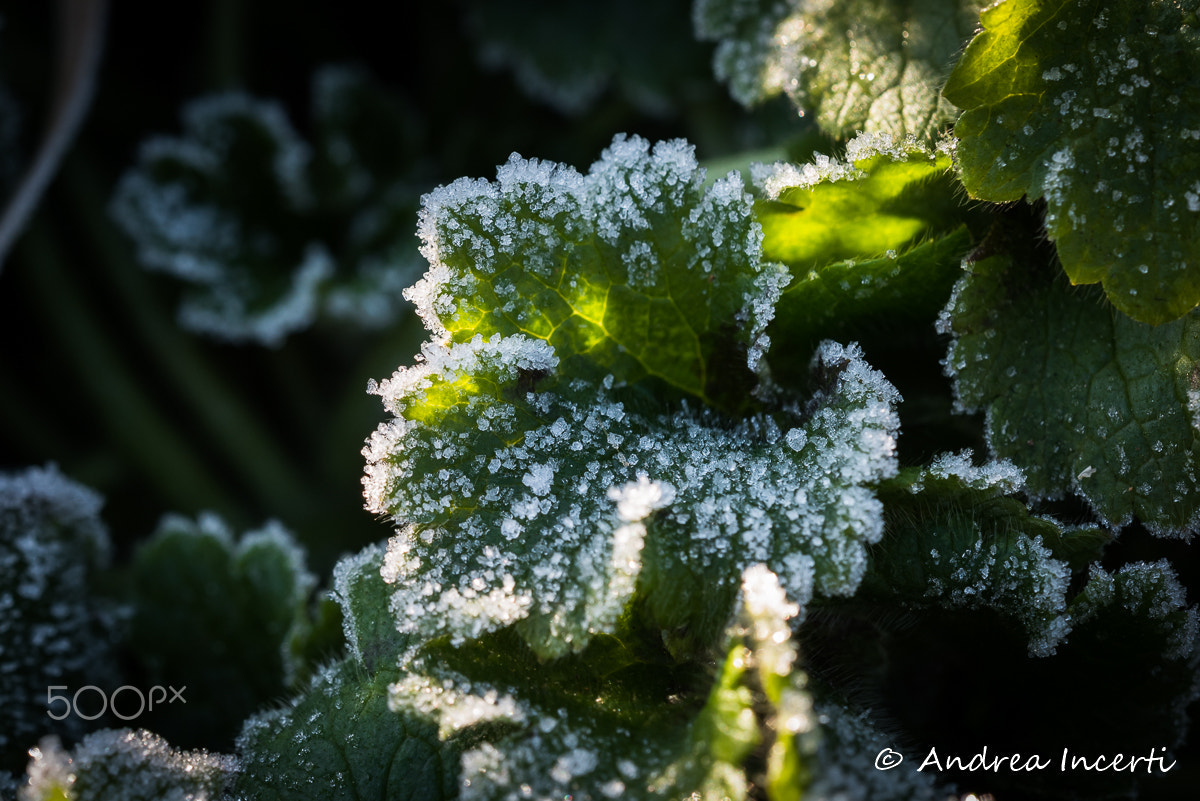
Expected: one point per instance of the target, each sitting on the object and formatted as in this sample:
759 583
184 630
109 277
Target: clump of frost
52 631
125 764
773 179
999 475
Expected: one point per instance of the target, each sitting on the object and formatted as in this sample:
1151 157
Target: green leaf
339 740
220 618
370 630
553 510
1090 105
53 631
874 242
886 195
582 726
1082 398
268 233
635 269
955 538
863 65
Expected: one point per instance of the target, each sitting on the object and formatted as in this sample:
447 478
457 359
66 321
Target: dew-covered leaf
550 510
219 617
1092 105
268 232
635 269
52 630
955 538
1082 398
339 740
125 765
863 65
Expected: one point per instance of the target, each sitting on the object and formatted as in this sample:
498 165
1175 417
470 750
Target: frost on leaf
268 232
602 725
636 268
1082 398
339 741
219 616
551 510
955 539
860 66
1093 106
1135 621
570 54
877 235
124 765
52 631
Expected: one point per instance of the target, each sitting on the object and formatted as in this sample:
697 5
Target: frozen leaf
1091 105
955 538
370 632
52 630
569 54
877 236
220 617
268 233
339 740
860 66
550 510
604 724
635 268
1082 398
1136 623
125 765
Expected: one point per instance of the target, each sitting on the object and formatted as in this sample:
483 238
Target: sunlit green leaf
1092 106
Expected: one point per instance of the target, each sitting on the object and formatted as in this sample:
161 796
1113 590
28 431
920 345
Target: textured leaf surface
596 725
339 740
552 509
876 237
860 66
217 616
1092 105
269 233
1081 397
52 631
956 539
635 266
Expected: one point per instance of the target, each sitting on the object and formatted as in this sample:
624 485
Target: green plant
681 503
